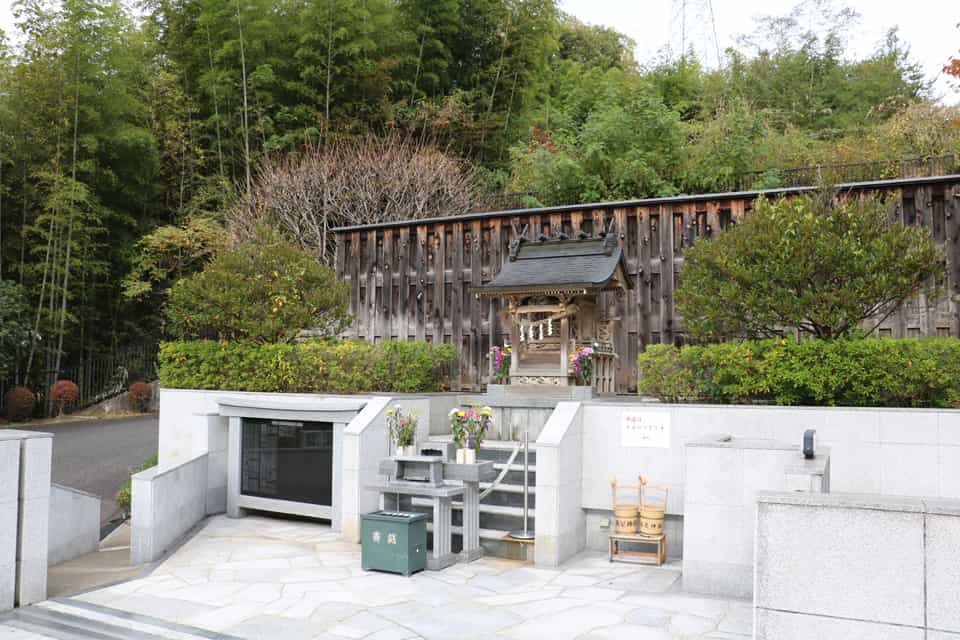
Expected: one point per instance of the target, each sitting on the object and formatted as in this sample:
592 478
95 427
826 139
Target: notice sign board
645 429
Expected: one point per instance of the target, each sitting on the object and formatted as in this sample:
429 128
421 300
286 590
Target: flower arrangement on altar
403 430
581 362
469 428
501 364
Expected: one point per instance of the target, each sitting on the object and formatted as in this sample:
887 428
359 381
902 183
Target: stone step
485 534
71 619
62 626
506 445
514 467
508 488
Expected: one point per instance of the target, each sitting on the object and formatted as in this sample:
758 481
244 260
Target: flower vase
469 456
462 456
407 450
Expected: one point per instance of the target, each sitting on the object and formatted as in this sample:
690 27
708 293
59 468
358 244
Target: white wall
74 524
884 451
167 501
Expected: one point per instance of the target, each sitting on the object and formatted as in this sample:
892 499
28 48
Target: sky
928 27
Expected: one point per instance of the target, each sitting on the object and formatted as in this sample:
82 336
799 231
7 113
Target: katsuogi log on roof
563 265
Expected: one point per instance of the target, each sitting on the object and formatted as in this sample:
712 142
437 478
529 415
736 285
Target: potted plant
403 430
469 428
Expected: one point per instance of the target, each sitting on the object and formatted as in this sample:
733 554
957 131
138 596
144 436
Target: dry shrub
353 181
19 403
139 394
64 394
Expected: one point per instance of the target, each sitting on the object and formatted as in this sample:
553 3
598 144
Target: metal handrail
503 473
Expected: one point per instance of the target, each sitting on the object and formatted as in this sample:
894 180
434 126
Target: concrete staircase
502 510
69 619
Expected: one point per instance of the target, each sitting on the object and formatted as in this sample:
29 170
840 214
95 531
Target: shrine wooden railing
412 280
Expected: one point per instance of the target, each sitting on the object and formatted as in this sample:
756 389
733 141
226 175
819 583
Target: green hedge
922 372
124 495
308 367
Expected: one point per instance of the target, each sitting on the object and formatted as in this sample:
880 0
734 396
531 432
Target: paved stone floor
265 578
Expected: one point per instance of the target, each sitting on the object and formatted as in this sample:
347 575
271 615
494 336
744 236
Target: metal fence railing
99 377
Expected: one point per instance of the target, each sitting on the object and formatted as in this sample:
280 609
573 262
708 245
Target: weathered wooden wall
412 281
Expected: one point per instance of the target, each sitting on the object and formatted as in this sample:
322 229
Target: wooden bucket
625 515
653 507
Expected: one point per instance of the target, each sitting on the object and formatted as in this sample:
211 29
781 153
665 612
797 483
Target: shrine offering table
441 482
656 556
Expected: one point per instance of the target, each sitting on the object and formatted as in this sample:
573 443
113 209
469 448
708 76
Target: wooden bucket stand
651 512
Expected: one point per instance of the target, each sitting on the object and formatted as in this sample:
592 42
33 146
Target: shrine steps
501 510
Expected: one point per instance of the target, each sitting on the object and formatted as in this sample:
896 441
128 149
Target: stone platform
261 577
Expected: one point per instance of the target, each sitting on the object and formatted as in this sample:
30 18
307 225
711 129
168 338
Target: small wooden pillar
564 350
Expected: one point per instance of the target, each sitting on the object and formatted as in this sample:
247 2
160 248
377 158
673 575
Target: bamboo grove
120 120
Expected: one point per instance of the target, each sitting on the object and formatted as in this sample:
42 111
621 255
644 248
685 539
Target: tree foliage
14 325
820 266
266 291
126 125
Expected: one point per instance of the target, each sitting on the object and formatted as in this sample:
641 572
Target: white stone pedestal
24 516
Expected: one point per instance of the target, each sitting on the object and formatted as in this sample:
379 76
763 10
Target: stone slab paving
266 578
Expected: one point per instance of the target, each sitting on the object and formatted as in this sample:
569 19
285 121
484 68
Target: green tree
823 266
14 325
595 46
262 292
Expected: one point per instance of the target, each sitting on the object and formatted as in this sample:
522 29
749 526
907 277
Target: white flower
397 407
453 412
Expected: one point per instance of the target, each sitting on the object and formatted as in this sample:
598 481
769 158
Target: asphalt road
97 456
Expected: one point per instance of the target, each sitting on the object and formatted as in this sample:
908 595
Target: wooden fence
412 280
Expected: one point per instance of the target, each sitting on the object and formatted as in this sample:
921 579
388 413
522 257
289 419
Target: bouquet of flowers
582 364
403 428
470 426
501 364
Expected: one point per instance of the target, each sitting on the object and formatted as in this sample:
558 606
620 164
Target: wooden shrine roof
560 266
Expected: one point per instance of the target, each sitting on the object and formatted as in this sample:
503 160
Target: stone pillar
441 557
471 522
234 440
9 507
34 504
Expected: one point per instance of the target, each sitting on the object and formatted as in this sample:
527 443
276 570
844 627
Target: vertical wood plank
493 320
476 278
355 284
387 322
951 198
421 282
371 268
643 277
666 274
403 286
438 313
456 300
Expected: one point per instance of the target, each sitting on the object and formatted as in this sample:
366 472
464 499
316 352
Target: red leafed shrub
19 402
139 395
64 394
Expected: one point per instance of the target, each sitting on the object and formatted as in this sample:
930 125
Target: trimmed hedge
307 367
923 372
